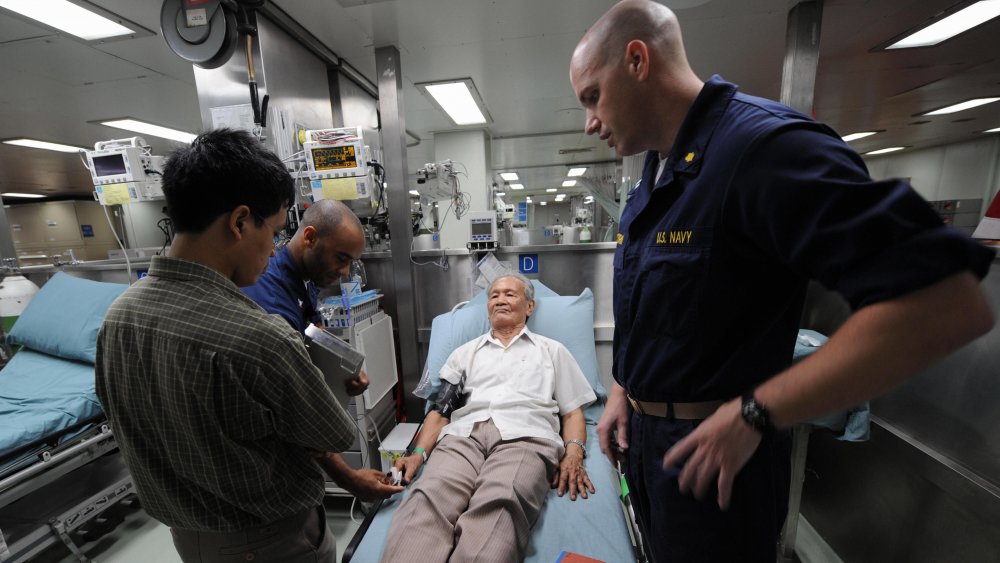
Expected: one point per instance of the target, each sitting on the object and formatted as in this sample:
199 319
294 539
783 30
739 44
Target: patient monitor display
336 359
334 158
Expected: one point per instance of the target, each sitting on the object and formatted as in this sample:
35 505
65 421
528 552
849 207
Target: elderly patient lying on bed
483 488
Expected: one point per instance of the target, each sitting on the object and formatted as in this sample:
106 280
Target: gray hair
529 289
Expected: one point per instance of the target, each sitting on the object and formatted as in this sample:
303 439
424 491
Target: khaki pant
476 500
302 538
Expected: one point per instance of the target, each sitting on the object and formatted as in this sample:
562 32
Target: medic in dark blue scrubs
741 202
319 254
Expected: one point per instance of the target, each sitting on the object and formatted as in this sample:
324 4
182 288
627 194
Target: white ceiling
517 53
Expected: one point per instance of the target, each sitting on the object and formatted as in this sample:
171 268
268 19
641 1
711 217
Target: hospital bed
59 469
597 527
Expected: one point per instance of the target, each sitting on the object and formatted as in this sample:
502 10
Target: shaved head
652 23
631 75
327 216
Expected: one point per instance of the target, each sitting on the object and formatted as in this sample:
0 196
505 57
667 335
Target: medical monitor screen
333 158
110 165
482 228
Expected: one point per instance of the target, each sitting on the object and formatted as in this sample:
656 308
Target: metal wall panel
927 485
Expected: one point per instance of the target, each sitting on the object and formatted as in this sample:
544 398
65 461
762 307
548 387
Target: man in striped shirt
221 416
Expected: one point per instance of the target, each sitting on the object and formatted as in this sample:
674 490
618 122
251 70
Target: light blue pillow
570 320
63 318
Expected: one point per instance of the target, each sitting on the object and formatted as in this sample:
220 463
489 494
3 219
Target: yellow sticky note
340 188
116 194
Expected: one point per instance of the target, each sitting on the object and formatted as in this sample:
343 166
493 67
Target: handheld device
336 359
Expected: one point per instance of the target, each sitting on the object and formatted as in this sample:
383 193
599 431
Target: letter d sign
527 263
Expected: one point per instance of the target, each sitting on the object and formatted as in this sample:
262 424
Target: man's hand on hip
718 448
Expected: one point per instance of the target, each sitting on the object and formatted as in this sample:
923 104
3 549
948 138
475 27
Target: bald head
327 216
652 23
632 77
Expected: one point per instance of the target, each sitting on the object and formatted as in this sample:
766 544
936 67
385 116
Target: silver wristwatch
583 447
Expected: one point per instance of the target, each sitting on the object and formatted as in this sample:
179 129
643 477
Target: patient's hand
572 476
409 465
357 385
369 485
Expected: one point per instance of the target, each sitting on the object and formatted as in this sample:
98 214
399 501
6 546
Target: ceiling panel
517 52
65 61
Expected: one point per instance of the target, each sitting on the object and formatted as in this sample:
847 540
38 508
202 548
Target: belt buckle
636 406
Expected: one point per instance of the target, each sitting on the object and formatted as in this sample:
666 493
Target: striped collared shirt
215 403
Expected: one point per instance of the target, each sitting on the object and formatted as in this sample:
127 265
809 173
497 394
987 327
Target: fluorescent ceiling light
15 194
968 104
883 151
501 194
568 183
459 99
68 17
961 21
550 190
509 176
137 126
997 130
36 144
576 171
528 199
856 136
542 203
414 192
517 186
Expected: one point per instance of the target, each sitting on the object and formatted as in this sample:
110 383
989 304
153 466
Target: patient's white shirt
523 387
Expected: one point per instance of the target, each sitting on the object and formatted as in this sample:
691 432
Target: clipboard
339 362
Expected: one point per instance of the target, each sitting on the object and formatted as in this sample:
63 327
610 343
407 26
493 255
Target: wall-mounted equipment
482 231
337 164
437 181
125 171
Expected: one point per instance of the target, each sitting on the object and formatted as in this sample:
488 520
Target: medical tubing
128 263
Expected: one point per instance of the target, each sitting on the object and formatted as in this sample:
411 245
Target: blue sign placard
88 231
527 263
522 212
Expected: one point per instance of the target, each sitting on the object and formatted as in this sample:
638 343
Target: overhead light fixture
517 186
856 136
414 192
883 151
459 99
36 144
542 203
968 104
16 194
509 176
501 194
550 190
69 17
134 125
527 199
950 26
997 130
568 183
576 171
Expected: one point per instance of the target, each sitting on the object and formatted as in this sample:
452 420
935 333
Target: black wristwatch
755 414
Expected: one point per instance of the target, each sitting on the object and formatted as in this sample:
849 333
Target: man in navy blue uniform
743 200
329 239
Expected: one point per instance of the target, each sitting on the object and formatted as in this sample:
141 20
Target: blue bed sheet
40 395
594 527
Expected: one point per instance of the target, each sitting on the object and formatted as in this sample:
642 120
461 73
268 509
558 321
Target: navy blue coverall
281 290
710 275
